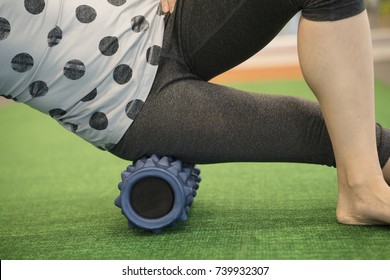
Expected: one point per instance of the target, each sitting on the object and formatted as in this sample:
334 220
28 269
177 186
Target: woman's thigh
201 122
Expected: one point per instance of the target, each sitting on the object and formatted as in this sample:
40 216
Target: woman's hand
168 5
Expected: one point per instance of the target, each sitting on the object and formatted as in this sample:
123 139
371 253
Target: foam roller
157 192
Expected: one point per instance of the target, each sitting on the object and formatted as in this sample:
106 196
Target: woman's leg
240 28
200 122
337 64
204 123
386 172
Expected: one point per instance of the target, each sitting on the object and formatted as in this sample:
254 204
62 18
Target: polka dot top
89 64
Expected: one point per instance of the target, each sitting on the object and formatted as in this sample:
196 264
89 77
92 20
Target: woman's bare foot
364 204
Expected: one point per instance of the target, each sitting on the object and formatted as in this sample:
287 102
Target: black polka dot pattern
98 121
38 89
133 108
109 45
54 37
90 96
71 126
34 7
153 55
139 23
85 14
74 127
44 50
5 28
57 113
123 74
74 69
117 2
9 97
22 62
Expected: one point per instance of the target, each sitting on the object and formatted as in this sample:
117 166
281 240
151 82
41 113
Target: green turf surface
57 192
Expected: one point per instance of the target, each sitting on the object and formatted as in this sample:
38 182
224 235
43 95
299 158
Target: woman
131 77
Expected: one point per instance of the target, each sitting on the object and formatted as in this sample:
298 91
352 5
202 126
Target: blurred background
379 13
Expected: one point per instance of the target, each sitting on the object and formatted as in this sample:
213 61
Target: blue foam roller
157 192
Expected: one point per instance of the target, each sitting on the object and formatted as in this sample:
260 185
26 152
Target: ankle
358 180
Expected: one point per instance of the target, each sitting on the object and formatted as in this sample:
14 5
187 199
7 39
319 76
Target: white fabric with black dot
89 64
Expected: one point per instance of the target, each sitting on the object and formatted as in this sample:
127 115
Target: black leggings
199 122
